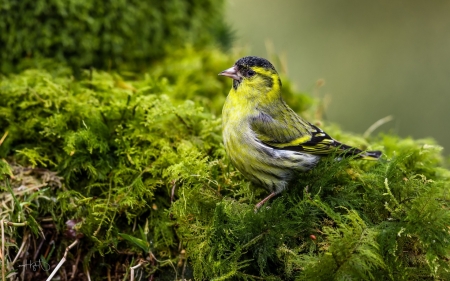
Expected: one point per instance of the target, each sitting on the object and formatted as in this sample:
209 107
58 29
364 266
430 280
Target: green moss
142 173
105 34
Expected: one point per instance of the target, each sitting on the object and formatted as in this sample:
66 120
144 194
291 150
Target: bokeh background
377 58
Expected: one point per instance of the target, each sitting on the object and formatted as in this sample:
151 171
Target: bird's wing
290 132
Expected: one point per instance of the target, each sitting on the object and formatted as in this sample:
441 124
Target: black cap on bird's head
244 68
251 61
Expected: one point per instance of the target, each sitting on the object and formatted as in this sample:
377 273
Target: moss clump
105 34
133 167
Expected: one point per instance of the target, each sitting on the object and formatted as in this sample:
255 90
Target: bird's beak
231 72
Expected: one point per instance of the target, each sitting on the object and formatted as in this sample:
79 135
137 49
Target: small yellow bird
264 138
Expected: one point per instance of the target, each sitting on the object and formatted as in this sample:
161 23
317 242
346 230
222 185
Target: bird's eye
250 73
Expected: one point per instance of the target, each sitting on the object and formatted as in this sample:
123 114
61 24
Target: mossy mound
128 34
132 167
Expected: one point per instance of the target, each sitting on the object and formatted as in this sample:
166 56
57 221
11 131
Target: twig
184 270
63 260
134 224
116 270
75 266
252 276
38 249
16 223
51 244
322 107
2 253
4 137
172 194
377 124
284 63
168 261
64 273
182 121
25 238
141 262
88 275
270 48
37 95
22 275
4 222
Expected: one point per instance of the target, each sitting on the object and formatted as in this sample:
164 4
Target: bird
264 138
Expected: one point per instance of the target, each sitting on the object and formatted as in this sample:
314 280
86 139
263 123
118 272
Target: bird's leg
257 206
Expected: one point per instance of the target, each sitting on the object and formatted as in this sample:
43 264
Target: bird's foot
257 206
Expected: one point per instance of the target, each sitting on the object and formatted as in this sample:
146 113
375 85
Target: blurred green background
377 58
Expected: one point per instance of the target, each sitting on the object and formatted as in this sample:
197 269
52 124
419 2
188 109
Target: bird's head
254 76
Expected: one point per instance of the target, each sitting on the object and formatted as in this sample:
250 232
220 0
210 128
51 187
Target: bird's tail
371 155
353 151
